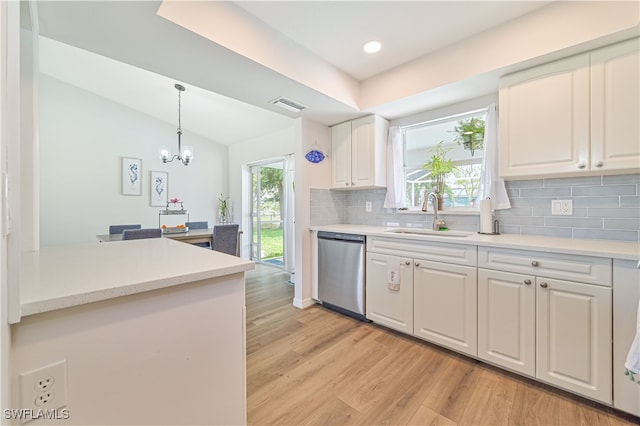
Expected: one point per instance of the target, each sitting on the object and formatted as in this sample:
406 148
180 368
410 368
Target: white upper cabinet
615 107
572 117
359 153
544 119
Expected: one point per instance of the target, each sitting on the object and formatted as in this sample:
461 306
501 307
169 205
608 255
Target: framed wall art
159 188
131 176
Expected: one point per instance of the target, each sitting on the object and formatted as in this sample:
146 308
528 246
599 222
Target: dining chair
203 224
117 229
138 234
225 238
198 225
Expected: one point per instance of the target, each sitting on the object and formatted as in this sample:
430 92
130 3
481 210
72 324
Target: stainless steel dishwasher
341 272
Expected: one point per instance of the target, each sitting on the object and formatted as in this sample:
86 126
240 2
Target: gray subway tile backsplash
603 190
630 201
546 231
604 208
614 213
623 224
562 191
605 234
616 179
573 181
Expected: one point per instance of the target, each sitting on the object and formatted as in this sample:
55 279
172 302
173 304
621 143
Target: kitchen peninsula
150 332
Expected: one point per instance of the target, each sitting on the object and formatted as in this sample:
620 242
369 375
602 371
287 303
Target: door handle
544 285
527 282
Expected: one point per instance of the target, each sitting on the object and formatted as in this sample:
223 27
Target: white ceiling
125 52
336 31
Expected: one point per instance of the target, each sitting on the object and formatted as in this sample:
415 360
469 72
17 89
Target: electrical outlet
44 388
562 207
368 207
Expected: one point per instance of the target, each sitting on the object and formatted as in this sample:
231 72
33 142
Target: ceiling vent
288 104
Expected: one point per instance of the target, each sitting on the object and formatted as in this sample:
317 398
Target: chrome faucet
437 224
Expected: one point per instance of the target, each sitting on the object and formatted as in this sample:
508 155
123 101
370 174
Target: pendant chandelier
185 154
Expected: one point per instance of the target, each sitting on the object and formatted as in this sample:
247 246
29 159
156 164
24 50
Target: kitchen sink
418 231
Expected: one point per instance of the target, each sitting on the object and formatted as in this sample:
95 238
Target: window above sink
460 137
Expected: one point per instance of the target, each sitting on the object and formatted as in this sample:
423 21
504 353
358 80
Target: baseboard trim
303 304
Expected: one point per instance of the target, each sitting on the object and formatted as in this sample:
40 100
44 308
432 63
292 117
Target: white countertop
60 277
600 248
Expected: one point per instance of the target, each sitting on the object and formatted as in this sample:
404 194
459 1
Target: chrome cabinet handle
407 263
346 184
353 184
527 282
544 285
417 263
582 166
534 263
599 164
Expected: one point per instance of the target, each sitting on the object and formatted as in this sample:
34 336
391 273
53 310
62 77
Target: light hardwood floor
314 366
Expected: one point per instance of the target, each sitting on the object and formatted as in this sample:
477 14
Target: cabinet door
626 284
574 337
506 320
391 308
544 119
615 84
445 305
341 155
362 152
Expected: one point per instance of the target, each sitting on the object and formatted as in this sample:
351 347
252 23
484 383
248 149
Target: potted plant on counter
439 166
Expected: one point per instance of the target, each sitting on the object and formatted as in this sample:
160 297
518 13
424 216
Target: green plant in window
470 133
439 167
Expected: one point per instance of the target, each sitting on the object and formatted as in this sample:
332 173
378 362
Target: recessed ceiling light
372 46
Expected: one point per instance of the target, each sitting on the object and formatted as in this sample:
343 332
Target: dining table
192 236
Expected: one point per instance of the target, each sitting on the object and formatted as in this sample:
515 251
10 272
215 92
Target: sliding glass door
267 213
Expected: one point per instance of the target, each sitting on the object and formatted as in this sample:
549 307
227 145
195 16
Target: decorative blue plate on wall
315 156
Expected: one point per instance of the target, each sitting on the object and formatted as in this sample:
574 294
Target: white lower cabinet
573 336
506 320
555 330
445 303
389 307
541 314
626 295
436 300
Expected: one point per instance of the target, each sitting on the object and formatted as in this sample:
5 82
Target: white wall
308 176
269 146
9 158
82 140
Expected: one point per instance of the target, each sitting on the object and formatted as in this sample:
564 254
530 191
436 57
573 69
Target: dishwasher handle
340 236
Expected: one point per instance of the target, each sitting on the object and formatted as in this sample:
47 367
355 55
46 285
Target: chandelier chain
179 113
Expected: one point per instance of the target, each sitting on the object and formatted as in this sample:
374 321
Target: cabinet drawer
585 269
458 254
